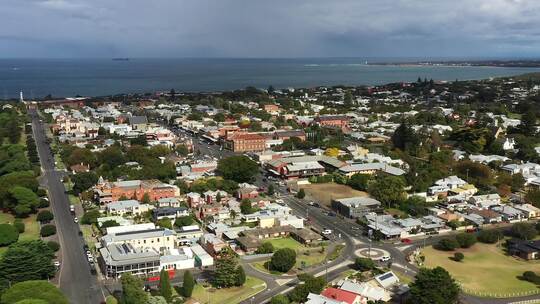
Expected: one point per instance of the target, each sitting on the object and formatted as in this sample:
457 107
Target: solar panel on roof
386 276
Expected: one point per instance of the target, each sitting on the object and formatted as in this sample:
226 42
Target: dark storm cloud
278 28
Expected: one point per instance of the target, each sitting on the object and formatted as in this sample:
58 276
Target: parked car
406 241
385 258
76 220
326 232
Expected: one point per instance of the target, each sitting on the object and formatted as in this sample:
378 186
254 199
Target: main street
74 277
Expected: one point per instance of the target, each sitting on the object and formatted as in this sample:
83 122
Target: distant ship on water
120 59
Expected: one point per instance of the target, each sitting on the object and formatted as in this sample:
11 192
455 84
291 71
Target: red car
406 241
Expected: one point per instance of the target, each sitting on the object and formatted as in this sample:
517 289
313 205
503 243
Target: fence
503 295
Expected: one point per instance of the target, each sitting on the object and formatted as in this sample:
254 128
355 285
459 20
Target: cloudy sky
269 28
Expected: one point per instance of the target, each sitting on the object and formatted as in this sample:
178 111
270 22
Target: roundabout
373 253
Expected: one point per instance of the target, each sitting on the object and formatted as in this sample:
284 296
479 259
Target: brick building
134 189
246 142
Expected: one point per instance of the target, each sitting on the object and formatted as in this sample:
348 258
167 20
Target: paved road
351 233
74 277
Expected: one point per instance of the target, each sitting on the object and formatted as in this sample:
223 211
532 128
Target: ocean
99 77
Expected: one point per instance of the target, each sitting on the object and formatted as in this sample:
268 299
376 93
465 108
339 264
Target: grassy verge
336 252
231 295
87 235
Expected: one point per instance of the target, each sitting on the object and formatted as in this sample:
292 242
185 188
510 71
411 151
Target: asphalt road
74 277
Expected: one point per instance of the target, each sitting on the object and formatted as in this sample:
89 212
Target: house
245 142
334 121
212 244
529 210
127 207
194 199
247 191
288 134
356 207
343 296
489 216
313 298
369 291
138 123
169 212
485 201
527 250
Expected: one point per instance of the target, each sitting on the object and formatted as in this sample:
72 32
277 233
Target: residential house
127 207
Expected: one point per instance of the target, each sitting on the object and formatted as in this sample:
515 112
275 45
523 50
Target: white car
56 264
385 258
75 219
327 232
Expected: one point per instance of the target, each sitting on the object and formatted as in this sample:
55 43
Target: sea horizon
66 77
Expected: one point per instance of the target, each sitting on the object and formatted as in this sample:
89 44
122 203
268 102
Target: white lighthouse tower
21 99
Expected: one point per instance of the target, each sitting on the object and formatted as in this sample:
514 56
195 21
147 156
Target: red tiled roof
246 136
339 295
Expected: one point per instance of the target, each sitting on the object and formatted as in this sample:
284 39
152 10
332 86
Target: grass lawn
74 200
59 163
231 295
87 235
486 270
325 193
287 242
336 252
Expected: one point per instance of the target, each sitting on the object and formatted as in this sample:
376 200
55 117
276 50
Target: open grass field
486 270
228 295
31 226
325 193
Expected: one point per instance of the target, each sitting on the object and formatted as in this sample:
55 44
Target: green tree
490 236
132 290
264 248
225 273
45 216
47 230
238 168
90 217
240 276
466 240
458 256
404 138
283 259
19 225
112 157
447 244
364 264
83 181
28 291
280 299
359 181
270 191
183 221
165 223
54 246
8 234
528 123
246 207
165 289
433 286
27 260
26 200
182 150
311 285
301 193
188 284
109 223
533 197
524 231
388 190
